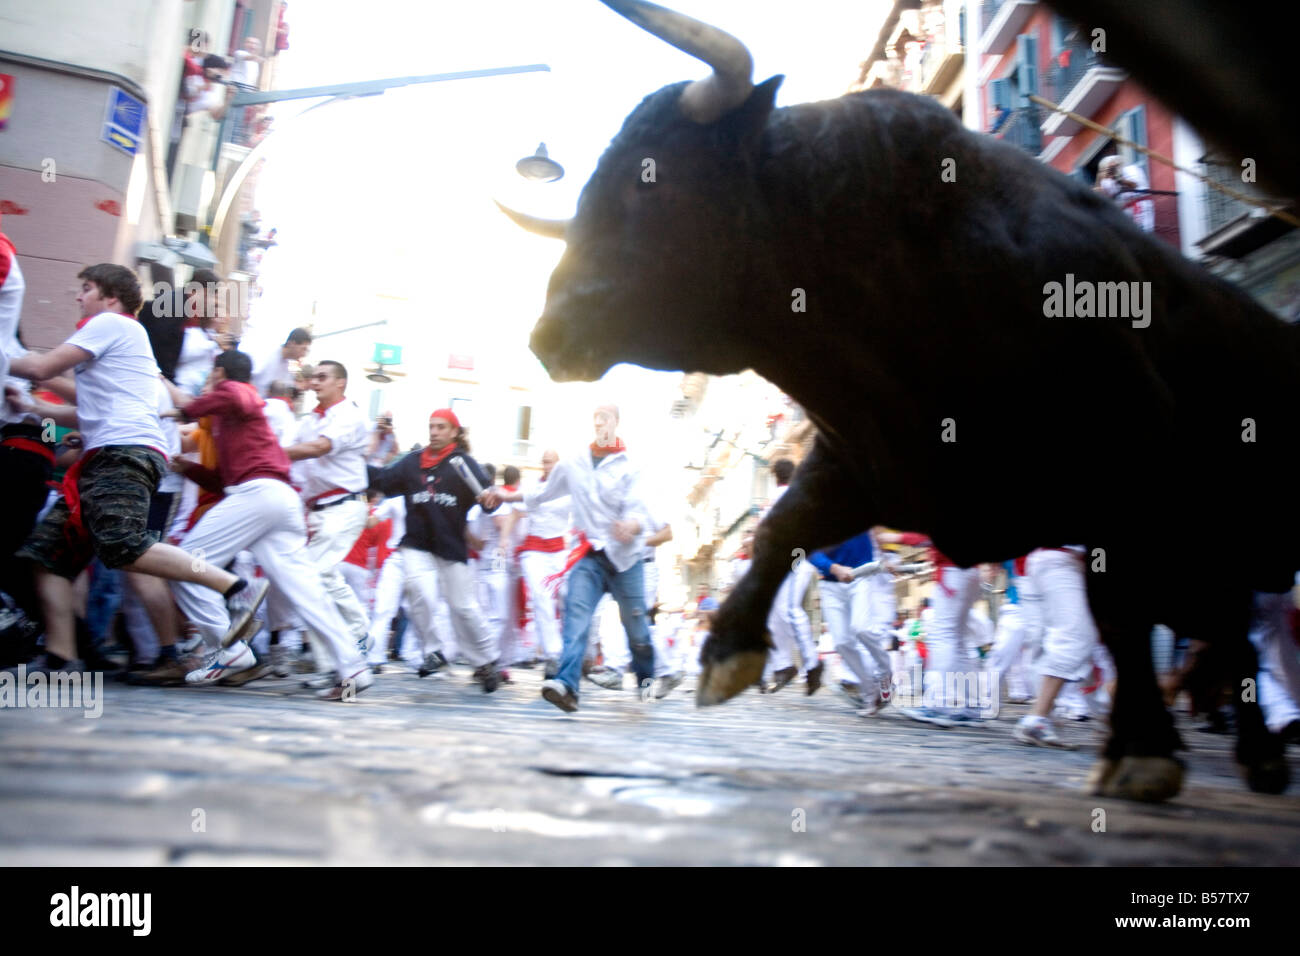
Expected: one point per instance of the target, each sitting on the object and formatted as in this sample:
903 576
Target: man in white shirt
610 516
331 445
105 509
273 366
541 560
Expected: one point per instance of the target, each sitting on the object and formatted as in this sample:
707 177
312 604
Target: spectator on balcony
1128 186
247 68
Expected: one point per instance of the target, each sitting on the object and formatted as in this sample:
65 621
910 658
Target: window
524 432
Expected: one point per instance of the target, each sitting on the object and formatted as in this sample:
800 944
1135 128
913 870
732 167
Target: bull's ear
751 116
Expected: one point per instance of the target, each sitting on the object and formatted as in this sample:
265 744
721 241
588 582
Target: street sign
387 354
123 121
6 98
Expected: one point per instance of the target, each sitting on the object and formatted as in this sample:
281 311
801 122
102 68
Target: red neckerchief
321 409
510 487
431 459
600 451
89 317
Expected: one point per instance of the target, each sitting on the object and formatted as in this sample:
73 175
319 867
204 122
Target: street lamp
539 167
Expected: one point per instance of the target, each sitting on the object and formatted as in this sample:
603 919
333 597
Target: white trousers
491 585
855 625
265 516
388 597
948 680
536 567
664 664
333 532
426 576
1018 638
788 621
1279 661
358 579
1070 637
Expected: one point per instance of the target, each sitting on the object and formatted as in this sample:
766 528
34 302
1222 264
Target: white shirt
117 397
548 519
599 496
172 482
283 422
482 525
11 308
195 362
344 465
270 367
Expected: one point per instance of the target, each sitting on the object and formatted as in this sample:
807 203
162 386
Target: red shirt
246 446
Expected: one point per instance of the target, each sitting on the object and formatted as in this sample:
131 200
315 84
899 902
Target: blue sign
123 121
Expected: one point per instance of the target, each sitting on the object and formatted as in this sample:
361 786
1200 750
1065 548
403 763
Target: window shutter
1026 68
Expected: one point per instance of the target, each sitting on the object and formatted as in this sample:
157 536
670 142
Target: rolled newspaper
878 567
466 475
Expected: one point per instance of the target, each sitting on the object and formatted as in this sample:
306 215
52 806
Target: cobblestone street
433 771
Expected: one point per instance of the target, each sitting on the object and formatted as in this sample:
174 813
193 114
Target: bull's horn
705 100
550 228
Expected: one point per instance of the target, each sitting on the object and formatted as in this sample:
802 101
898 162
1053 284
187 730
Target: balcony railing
1070 65
1220 208
1020 128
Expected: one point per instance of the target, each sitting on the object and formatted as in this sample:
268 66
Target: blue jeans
588 581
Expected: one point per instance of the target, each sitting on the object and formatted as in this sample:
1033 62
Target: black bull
948 397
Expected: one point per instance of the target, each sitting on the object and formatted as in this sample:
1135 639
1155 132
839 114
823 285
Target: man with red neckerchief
331 446
261 512
105 508
610 515
434 551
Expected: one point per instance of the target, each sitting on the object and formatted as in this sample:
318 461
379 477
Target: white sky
392 195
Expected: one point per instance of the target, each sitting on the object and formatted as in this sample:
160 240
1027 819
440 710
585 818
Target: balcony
1080 82
1020 128
1003 19
1234 229
940 64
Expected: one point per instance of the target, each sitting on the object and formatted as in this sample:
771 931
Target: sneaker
664 685
164 673
1038 732
222 663
190 645
256 672
558 693
552 668
928 715
782 677
853 692
242 607
433 662
610 678
346 690
488 676
814 678
280 665
320 679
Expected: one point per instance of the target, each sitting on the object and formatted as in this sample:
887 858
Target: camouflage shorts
116 486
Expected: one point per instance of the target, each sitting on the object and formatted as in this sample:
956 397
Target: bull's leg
1137 762
820 507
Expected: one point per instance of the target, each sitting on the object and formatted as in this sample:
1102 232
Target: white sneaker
1038 732
664 685
229 660
348 688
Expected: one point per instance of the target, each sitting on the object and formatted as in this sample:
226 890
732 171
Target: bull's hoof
1149 779
724 679
1267 776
